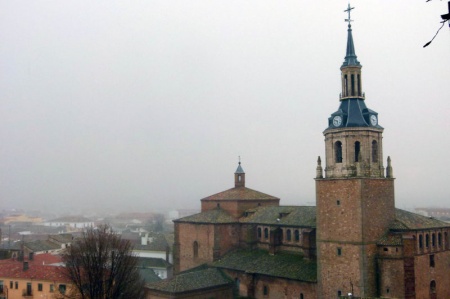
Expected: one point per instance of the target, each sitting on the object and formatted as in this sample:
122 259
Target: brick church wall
217 293
391 267
282 288
344 215
252 285
213 240
187 234
352 214
237 207
424 274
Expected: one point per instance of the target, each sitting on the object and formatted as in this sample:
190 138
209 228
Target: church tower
355 200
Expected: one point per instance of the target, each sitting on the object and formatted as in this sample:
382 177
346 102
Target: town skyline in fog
133 106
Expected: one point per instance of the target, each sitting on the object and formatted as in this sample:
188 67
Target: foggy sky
136 105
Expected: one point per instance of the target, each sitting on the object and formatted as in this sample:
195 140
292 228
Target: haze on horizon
141 105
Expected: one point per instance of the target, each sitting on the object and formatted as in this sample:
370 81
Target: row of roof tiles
303 216
14 269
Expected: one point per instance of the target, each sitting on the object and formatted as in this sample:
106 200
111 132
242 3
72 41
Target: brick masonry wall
424 274
228 237
282 288
392 276
237 207
366 208
231 206
352 214
348 137
212 240
187 234
338 272
252 285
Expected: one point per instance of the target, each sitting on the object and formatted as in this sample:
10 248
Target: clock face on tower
337 121
373 120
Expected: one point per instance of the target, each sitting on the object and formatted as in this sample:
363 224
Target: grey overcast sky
136 105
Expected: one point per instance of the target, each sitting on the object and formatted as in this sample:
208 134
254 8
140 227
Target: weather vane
239 159
348 11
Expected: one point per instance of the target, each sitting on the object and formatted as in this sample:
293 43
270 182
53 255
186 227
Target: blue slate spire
352 111
239 176
239 169
350 56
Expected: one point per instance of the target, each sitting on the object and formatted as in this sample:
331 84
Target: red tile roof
45 259
240 193
14 269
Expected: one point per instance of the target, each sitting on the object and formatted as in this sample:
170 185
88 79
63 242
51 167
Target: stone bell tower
355 200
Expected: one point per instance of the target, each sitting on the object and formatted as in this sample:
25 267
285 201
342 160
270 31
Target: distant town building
153 245
35 278
439 213
20 218
162 268
74 222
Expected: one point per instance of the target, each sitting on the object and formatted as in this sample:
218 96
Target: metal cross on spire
348 11
239 159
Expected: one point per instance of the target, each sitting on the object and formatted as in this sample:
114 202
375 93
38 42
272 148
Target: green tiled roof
158 242
190 281
62 238
282 216
240 193
303 216
153 262
410 221
390 239
42 245
211 216
284 265
148 275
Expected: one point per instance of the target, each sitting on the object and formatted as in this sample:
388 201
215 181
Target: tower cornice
352 129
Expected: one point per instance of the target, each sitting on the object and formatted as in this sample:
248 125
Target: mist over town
192 138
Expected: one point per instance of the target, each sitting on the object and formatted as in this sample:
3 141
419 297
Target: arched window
353 85
266 233
427 240
266 290
433 287
338 151
374 151
301 296
446 240
357 150
420 241
195 249
345 86
237 282
297 235
288 233
433 240
439 239
259 233
359 85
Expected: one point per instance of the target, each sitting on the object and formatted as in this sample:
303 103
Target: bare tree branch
435 34
101 266
445 18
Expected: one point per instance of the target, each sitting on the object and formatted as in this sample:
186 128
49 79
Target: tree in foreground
101 266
